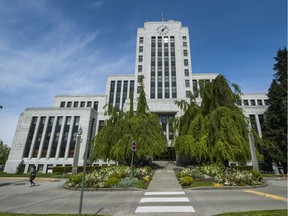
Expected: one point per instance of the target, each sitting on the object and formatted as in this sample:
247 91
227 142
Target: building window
62 104
89 103
184 38
185 62
239 103
76 120
68 120
140 58
59 121
245 102
259 102
187 94
82 104
140 49
50 121
69 104
112 89
140 68
42 120
186 71
187 83
252 102
185 53
266 102
95 106
76 103
184 44
141 40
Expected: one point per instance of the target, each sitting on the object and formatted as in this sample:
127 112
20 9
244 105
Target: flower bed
219 176
113 177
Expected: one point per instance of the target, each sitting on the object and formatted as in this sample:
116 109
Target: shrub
128 183
20 168
257 175
186 181
111 181
75 180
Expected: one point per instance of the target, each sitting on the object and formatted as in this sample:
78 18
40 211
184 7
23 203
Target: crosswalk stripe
164 199
164 193
159 209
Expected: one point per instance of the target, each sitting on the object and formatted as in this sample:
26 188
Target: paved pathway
164 194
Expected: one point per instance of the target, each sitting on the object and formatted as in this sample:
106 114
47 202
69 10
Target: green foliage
113 142
223 176
20 168
113 176
4 149
257 175
235 177
75 180
275 122
142 106
111 181
128 183
186 181
68 169
215 132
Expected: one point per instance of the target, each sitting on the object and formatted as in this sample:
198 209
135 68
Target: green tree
20 168
275 121
4 152
114 141
216 131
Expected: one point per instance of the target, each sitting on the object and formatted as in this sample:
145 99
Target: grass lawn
257 213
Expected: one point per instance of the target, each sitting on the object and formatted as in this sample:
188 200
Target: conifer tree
275 121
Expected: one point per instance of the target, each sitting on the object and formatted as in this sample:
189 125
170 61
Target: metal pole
132 164
76 152
83 178
252 148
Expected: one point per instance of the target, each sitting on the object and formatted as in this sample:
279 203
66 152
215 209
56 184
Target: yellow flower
217 185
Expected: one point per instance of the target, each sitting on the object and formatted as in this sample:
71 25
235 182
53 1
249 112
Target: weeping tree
216 131
275 121
113 142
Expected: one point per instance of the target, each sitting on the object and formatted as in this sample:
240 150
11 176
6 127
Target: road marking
159 209
164 193
267 195
164 199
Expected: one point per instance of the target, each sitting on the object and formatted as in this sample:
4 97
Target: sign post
133 149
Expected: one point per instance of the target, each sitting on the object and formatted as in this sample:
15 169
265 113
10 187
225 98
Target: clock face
162 30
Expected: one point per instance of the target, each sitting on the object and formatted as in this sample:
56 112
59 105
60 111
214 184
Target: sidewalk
164 179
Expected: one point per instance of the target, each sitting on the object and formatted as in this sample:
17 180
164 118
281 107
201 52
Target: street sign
133 146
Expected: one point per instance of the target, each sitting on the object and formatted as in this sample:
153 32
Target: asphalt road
17 196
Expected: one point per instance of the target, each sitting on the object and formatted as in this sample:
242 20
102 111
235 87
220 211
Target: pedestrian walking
32 176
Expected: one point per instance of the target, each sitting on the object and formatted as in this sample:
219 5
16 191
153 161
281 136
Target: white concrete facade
163 57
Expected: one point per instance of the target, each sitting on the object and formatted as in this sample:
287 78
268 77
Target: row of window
51 140
80 104
252 102
115 97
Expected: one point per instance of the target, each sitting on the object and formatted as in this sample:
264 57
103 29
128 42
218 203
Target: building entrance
169 155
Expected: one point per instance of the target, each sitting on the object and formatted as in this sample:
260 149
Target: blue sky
52 47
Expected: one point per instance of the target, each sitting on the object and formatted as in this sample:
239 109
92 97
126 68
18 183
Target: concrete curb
105 189
227 187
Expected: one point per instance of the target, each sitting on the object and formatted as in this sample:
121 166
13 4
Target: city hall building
46 137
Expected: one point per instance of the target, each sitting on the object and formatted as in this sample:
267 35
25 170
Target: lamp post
76 152
252 148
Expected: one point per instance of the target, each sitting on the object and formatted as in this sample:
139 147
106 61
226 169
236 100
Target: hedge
68 169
